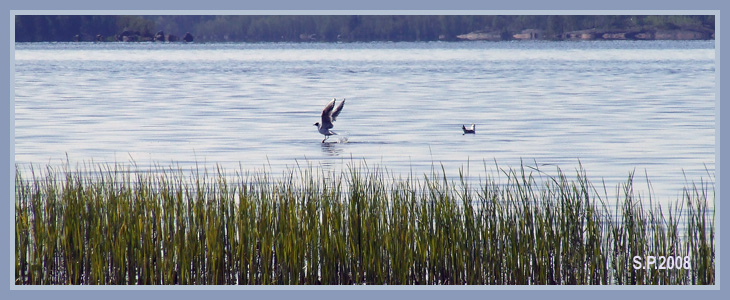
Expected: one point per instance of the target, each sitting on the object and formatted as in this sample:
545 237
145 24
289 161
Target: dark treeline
42 28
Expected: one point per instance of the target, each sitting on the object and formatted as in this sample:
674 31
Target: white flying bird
328 116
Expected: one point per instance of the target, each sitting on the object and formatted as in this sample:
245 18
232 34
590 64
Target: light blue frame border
429 289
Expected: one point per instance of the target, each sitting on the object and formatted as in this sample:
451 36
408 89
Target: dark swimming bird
329 115
471 130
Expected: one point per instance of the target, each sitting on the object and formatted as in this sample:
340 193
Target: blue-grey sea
614 107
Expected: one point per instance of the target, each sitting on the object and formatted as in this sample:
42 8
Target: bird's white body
326 131
329 115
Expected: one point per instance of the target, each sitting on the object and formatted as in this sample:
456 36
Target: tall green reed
110 224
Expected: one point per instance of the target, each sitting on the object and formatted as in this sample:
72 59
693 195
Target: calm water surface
616 107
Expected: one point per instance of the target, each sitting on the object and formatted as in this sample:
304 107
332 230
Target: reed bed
114 225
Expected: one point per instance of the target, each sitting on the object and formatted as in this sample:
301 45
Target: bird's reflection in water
329 165
331 149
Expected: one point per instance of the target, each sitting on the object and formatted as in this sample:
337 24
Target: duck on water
471 130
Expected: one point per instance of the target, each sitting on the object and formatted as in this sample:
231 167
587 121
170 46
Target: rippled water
616 107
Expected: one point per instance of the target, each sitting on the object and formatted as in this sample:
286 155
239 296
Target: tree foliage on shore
328 28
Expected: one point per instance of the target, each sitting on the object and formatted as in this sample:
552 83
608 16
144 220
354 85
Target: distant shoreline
360 28
524 35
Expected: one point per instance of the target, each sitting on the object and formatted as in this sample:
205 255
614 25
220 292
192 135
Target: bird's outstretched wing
338 110
327 115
